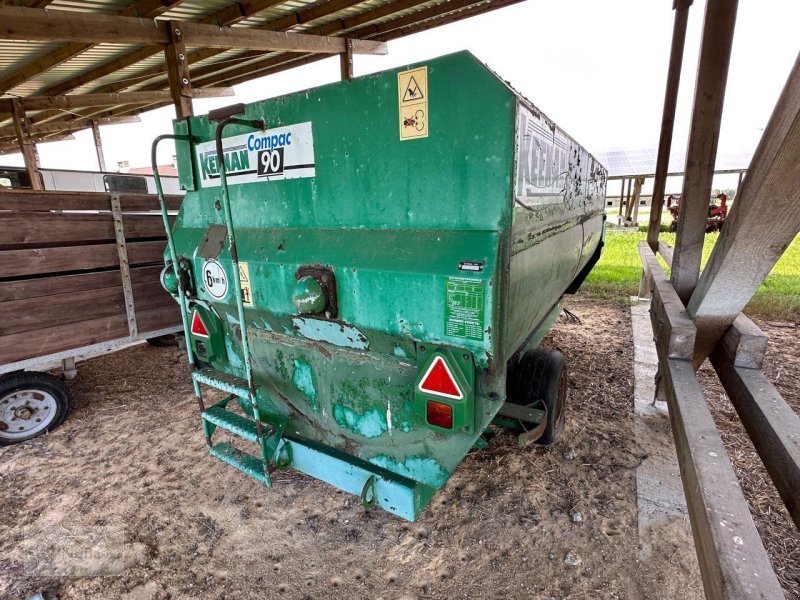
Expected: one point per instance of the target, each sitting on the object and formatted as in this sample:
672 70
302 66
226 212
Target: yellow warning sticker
244 278
412 96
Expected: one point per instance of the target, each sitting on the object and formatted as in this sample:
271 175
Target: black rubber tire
673 227
49 384
164 341
539 380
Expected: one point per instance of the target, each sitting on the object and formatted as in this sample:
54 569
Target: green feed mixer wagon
366 270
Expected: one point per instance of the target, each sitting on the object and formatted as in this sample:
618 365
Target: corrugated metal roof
86 68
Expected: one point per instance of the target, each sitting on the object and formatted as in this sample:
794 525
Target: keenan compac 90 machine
367 268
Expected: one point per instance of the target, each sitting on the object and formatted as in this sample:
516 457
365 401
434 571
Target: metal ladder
250 428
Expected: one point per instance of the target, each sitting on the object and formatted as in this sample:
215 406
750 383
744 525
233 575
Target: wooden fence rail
733 560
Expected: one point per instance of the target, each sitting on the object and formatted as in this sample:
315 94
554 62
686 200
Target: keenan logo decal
237 162
280 153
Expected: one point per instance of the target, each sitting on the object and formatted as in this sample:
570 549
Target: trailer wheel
31 404
169 340
540 381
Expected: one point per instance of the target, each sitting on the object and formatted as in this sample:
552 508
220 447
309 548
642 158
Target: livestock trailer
79 275
367 269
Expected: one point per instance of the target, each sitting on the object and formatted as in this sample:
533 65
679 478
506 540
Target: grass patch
617 274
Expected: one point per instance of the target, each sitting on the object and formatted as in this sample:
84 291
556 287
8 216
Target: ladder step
246 463
222 381
237 424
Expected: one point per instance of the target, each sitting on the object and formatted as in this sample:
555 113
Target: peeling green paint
370 424
419 468
281 366
303 380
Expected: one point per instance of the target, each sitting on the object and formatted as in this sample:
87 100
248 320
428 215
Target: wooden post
26 144
637 193
628 202
621 200
347 61
709 97
763 221
178 72
739 185
681 8
98 146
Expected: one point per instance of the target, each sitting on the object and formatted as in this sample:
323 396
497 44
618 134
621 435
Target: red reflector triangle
439 381
198 327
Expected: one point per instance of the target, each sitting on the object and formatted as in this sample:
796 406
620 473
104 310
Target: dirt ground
124 502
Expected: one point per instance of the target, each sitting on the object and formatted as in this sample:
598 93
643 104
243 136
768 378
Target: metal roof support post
709 98
681 8
178 72
26 144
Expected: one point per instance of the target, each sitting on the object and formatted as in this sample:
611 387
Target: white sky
597 68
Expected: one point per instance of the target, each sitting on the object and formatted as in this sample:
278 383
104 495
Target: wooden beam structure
26 144
346 62
681 8
73 101
180 86
63 26
732 558
98 146
763 221
709 98
7 148
146 9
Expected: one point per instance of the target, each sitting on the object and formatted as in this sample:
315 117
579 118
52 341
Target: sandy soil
124 502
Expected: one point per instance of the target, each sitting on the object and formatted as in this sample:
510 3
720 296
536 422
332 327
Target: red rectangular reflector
198 327
440 415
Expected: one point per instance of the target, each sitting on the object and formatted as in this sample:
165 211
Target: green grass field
617 275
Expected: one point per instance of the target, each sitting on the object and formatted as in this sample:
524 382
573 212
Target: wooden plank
73 101
681 8
98 147
762 223
225 38
346 62
32 344
744 344
709 98
29 200
665 250
771 423
31 314
51 229
180 85
59 284
20 263
27 146
63 26
141 8
733 561
675 332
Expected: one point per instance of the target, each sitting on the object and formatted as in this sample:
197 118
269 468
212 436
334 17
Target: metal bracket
124 267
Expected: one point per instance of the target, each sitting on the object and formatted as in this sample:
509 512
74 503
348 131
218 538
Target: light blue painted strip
395 495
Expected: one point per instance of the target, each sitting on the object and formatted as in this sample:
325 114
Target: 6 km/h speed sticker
412 96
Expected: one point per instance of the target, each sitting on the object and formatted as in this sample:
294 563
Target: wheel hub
24 413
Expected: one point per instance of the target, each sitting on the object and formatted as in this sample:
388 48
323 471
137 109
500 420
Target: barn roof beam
72 101
42 25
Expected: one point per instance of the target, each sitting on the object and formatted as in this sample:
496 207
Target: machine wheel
540 381
31 404
673 227
164 341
